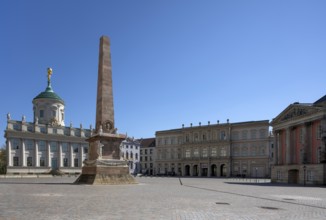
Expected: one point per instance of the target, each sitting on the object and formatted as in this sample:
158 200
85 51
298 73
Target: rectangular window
223 152
262 133
43 130
278 175
75 148
15 144
309 175
42 162
16 161
145 151
196 152
244 134
222 135
85 149
17 127
76 162
150 151
53 147
41 146
235 135
29 145
41 113
29 161
214 152
65 162
64 147
53 113
205 153
253 134
188 153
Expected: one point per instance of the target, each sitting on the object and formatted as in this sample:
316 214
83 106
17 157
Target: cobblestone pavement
158 198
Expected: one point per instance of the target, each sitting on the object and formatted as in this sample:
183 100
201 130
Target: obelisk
104 165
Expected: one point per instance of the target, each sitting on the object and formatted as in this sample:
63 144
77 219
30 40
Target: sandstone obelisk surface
104 103
103 165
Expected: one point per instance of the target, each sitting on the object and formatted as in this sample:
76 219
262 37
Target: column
23 157
80 161
49 154
9 157
199 169
191 169
71 155
60 155
37 161
287 143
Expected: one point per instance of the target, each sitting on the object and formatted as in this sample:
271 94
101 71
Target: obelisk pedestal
104 165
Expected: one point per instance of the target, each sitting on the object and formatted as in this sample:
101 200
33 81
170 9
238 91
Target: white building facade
129 150
45 145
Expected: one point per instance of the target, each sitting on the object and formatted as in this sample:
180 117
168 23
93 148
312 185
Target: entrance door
213 170
195 170
293 176
223 170
204 172
54 163
187 170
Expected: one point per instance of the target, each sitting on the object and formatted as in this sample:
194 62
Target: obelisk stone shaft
104 103
104 165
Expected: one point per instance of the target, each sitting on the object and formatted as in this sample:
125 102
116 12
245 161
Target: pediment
295 111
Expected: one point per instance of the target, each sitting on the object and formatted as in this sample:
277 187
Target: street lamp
256 174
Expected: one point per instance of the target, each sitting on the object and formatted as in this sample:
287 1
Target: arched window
127 155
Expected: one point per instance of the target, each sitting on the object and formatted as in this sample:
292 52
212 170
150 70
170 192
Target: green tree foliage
3 160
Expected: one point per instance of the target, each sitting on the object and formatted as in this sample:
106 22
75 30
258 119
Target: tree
3 159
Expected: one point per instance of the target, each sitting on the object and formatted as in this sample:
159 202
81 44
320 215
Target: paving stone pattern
158 198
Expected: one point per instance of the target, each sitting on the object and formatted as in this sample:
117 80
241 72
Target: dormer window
41 113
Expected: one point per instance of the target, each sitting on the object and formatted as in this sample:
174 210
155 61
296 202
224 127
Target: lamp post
256 174
304 175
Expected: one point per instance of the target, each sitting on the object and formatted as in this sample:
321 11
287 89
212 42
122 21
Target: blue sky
174 62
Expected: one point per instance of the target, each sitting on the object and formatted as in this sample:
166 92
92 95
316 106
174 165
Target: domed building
45 145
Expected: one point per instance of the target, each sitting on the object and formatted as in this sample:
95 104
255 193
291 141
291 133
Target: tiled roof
147 142
322 99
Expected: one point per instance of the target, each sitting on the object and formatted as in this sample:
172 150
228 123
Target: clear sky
173 62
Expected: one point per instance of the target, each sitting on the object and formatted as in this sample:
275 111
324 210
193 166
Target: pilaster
23 156
9 157
60 155
48 154
37 161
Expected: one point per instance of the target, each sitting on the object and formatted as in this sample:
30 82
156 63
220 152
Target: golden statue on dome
49 73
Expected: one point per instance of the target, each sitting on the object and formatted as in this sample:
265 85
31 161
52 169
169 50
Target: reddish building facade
299 138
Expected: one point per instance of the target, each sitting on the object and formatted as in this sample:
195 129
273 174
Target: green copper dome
49 94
